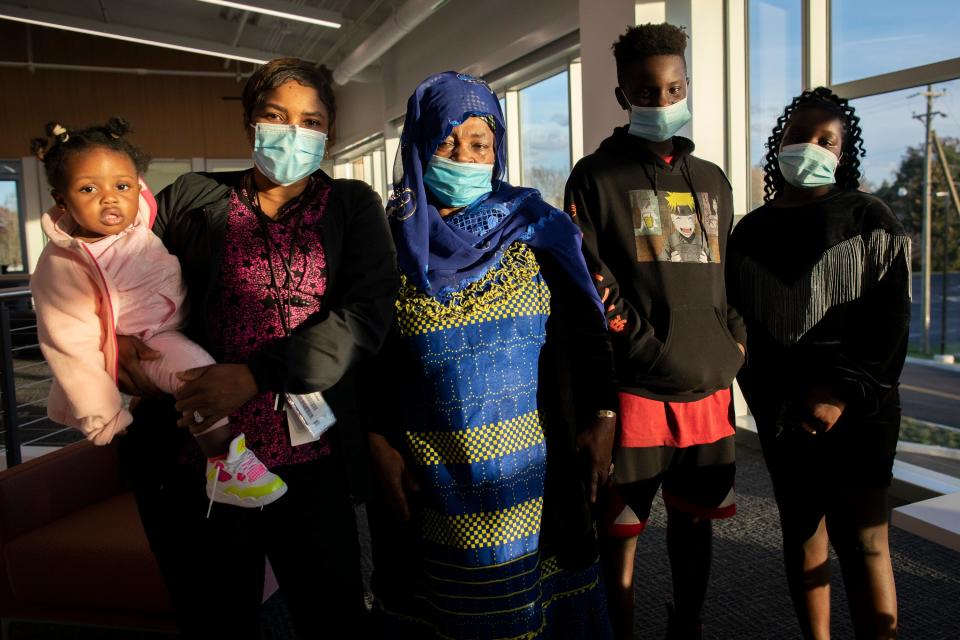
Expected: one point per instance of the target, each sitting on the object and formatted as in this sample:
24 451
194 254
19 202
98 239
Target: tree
9 238
756 187
905 196
549 181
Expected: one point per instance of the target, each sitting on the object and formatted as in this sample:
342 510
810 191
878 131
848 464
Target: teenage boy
655 222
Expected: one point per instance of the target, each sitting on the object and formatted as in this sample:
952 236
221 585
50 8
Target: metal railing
22 369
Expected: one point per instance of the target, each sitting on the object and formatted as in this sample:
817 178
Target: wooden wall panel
172 116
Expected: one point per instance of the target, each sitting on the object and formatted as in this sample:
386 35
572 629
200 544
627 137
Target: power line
953 109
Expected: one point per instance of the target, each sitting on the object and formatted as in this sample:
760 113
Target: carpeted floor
747 598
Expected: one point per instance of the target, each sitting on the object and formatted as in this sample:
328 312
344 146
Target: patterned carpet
747 598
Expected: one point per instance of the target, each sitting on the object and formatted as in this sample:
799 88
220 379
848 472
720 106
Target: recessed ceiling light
278 11
54 24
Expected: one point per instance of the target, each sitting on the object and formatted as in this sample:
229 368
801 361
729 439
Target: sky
869 37
8 194
545 123
877 36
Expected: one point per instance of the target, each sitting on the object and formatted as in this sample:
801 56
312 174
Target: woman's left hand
595 443
823 409
214 392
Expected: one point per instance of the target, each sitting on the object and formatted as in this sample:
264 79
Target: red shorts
654 423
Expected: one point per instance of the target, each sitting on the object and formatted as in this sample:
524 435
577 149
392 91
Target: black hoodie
655 238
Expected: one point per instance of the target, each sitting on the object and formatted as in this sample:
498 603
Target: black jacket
830 307
655 236
320 354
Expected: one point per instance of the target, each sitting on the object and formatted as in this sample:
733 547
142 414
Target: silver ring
197 417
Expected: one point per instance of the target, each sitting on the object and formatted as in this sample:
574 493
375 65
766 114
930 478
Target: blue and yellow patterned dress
474 438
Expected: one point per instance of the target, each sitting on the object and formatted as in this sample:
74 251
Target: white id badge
312 413
298 431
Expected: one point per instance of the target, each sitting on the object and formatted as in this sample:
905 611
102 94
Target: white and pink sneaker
241 479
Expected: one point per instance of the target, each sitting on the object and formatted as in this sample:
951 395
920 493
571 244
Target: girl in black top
821 274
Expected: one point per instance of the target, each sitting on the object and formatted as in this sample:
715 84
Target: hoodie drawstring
687 172
653 180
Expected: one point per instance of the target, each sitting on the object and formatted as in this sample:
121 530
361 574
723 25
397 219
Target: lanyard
291 287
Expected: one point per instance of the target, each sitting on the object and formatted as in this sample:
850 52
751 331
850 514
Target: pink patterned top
245 315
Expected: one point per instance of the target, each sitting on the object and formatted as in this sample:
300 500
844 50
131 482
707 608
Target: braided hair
62 143
848 171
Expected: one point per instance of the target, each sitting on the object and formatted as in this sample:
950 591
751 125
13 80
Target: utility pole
926 118
943 281
955 197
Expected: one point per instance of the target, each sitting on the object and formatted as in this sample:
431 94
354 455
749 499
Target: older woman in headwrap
492 424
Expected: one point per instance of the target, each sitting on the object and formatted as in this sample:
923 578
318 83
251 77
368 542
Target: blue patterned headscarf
442 256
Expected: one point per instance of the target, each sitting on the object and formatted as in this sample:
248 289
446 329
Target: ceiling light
279 11
5 14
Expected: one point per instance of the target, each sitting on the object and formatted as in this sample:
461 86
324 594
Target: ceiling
234 32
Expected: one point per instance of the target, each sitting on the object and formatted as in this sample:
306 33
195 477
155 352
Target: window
367 162
342 170
11 229
545 137
503 110
893 170
358 173
378 163
871 37
163 172
775 76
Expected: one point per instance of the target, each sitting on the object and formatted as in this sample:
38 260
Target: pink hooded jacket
77 313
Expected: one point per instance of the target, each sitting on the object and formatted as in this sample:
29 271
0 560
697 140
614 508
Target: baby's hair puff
62 142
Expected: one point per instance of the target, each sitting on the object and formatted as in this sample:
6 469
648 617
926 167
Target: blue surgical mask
286 153
657 124
807 165
457 184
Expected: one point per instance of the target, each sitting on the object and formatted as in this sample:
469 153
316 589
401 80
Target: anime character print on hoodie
654 235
